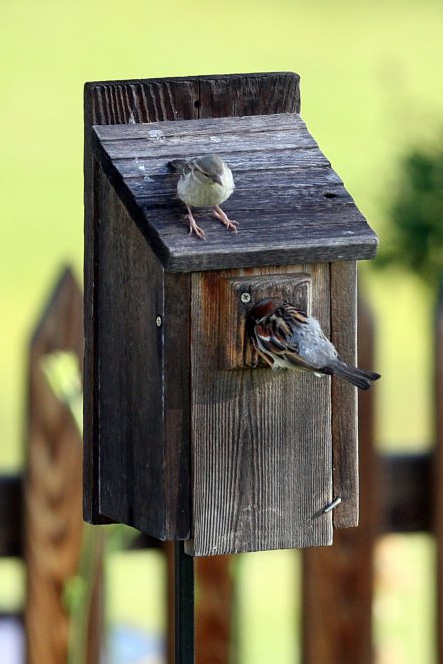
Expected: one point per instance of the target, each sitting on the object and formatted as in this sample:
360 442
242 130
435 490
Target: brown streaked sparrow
287 338
204 182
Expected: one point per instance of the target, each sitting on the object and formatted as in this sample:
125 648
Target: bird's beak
218 179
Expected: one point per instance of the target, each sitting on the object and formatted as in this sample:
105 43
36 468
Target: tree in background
415 239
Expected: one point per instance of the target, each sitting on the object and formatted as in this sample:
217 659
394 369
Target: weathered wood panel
261 440
91 510
344 395
178 98
53 526
130 354
142 339
248 94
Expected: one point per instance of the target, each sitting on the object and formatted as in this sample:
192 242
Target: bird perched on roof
287 338
204 182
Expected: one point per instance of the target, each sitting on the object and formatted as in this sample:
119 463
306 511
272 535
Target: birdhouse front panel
261 439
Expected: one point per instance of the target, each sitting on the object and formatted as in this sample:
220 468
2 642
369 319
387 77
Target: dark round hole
330 194
197 103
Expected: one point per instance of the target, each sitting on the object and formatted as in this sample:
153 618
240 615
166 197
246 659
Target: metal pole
184 605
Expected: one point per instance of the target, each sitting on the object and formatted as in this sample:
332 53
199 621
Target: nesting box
185 438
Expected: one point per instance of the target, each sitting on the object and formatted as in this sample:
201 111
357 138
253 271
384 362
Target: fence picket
53 525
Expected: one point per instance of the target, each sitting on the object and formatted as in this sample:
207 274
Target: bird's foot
230 224
193 226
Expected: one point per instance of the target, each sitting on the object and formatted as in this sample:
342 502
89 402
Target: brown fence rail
41 521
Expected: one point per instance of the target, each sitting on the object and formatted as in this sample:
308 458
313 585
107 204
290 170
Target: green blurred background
371 76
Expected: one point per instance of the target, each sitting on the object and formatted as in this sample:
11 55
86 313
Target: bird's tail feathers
177 165
361 378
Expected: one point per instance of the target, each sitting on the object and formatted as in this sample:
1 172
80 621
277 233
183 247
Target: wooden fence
40 521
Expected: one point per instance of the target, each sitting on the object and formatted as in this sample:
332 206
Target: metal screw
335 503
245 297
158 321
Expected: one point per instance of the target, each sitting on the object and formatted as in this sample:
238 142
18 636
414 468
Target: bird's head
209 169
264 308
260 310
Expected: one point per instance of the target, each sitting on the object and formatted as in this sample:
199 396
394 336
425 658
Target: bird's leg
193 225
218 212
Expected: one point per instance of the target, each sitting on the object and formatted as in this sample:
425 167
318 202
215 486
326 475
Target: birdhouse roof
290 204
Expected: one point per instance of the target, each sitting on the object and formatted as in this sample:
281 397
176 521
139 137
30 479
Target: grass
370 88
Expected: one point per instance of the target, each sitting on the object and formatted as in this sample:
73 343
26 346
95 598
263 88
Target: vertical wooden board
90 433
143 100
149 100
130 371
249 94
52 520
344 395
261 440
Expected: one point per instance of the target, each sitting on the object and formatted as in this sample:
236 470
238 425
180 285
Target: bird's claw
194 228
229 223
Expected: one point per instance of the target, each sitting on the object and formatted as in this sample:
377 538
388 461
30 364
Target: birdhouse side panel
129 399
261 439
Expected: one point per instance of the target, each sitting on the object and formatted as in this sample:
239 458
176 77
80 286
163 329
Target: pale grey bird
204 182
288 339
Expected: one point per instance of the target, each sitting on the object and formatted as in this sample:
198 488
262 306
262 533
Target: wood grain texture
235 348
53 526
302 162
142 380
261 441
292 202
249 94
344 395
90 451
176 98
337 591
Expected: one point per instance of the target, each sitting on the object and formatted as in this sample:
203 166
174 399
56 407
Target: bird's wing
275 335
178 165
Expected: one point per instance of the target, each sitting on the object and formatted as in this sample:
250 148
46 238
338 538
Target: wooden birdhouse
184 437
